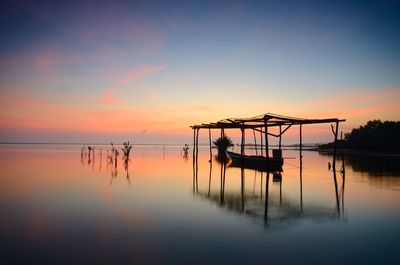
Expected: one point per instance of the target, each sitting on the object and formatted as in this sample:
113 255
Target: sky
144 71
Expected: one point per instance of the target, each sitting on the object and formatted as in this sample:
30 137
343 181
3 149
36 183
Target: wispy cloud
135 75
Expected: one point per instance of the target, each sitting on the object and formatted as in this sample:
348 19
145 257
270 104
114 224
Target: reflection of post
254 184
197 171
242 186
336 192
266 197
261 185
222 187
209 180
280 191
301 184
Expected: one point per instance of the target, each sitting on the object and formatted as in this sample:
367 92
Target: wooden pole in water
280 136
197 143
242 144
342 146
301 145
255 141
262 146
335 133
209 140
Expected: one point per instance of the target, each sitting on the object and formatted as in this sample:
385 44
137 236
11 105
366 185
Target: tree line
373 136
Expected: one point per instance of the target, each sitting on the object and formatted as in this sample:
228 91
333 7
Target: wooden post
243 141
280 136
342 146
301 145
209 140
197 143
266 138
255 141
335 133
262 146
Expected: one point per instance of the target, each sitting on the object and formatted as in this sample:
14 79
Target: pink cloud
108 97
140 73
133 76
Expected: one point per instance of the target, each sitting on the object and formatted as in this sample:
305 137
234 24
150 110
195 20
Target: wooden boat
255 162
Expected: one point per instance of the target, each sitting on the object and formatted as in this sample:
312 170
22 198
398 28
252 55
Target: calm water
58 209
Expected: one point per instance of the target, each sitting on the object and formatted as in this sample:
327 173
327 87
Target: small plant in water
126 149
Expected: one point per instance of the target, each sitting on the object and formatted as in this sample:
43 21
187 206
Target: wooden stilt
266 138
301 145
242 143
280 137
335 133
262 145
209 140
255 141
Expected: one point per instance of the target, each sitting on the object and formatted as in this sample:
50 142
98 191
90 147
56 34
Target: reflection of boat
255 162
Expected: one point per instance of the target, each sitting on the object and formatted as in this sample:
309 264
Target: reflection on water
274 209
63 205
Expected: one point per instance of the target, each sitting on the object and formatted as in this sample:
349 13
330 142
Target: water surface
56 208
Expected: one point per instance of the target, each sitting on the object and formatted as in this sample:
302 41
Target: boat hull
255 162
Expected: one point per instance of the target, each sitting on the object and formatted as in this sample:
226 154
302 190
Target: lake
57 207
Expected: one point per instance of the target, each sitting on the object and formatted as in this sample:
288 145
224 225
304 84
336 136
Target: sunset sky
101 71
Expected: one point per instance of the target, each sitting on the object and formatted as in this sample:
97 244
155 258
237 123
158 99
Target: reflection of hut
276 210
